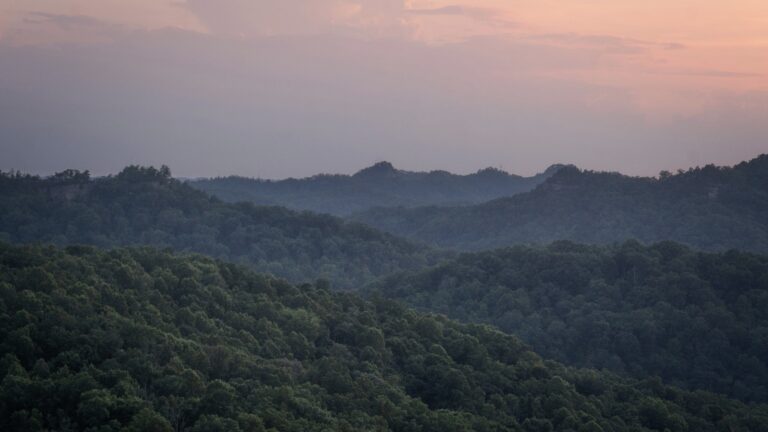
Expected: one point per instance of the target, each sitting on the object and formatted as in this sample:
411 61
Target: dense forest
143 340
698 320
98 337
710 208
147 206
378 185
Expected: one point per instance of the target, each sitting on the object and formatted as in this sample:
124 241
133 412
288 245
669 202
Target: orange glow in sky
479 66
716 39
713 37
660 50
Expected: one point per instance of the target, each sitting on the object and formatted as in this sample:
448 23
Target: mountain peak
492 172
554 168
378 169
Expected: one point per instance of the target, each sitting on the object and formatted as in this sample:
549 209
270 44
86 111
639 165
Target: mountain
697 320
378 185
147 206
143 340
711 208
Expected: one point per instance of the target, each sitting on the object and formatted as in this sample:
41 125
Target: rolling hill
377 185
145 206
143 340
710 208
697 320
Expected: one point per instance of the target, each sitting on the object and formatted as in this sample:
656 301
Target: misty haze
383 215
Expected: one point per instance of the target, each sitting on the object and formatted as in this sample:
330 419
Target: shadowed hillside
711 208
378 185
147 206
695 319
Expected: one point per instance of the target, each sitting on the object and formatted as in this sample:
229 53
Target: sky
292 88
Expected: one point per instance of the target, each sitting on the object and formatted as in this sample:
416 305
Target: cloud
44 28
56 21
268 17
65 21
348 82
368 18
211 105
713 73
608 43
476 13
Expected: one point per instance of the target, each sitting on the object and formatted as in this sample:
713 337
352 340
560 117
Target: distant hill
697 320
711 208
378 185
145 206
142 340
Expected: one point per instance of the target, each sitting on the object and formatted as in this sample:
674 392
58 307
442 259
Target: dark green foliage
146 206
698 320
378 185
141 340
709 208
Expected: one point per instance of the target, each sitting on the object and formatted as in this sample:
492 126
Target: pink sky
463 85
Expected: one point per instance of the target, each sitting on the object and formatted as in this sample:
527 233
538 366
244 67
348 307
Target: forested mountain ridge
710 208
147 206
697 320
377 185
143 340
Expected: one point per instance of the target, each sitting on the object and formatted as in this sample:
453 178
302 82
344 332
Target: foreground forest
144 340
98 337
377 185
698 320
146 206
711 208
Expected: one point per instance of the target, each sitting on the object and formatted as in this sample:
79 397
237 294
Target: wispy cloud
712 73
344 77
260 17
38 27
65 21
614 44
485 15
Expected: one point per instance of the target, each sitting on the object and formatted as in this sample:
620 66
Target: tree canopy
698 320
145 205
144 340
710 208
377 185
